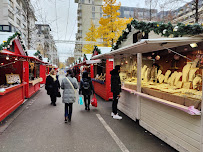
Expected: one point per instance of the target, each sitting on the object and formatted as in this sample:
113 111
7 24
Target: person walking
52 86
86 89
116 89
69 84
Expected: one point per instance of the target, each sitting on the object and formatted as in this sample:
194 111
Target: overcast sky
61 15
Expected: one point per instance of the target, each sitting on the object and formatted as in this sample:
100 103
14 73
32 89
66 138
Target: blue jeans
68 110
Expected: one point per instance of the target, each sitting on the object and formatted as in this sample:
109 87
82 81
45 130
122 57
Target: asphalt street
40 127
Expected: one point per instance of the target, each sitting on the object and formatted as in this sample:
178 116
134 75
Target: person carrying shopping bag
86 89
69 84
52 86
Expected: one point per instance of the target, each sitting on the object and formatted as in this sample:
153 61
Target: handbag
58 94
94 101
80 100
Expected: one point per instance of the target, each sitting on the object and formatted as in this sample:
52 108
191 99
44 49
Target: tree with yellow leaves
111 26
90 36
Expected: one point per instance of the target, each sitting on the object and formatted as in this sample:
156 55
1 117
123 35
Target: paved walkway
40 127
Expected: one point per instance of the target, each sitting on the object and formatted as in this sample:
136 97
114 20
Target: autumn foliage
111 26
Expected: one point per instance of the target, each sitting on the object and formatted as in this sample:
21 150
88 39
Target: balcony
79 16
79 23
79 8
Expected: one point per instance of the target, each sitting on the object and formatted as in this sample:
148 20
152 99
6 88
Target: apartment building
186 13
18 16
138 13
88 10
46 44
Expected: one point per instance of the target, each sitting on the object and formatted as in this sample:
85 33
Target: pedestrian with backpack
86 89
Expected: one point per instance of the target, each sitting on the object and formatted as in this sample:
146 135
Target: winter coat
68 92
84 91
52 86
115 82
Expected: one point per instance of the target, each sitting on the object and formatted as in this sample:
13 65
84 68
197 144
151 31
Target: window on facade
93 8
11 3
101 15
93 15
101 9
93 2
89 1
18 1
18 22
18 11
10 14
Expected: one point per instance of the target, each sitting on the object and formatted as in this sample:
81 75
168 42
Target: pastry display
143 70
177 78
186 70
197 80
192 74
168 72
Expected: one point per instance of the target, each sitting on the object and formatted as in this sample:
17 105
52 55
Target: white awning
93 61
150 45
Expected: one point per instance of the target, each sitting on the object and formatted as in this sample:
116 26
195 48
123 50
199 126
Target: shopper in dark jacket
52 86
116 89
86 89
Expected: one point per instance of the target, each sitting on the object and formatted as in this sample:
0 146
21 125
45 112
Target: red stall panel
10 100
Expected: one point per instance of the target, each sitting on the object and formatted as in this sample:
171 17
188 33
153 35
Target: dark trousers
115 103
68 110
53 98
87 99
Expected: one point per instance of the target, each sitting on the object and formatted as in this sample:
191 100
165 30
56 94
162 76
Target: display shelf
99 81
12 88
190 110
33 82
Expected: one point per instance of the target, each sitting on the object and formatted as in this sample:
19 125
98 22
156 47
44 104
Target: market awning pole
201 133
177 53
139 79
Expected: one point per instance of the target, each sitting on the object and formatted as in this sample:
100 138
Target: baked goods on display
192 74
143 70
173 76
168 72
194 63
177 78
185 71
197 80
159 73
186 85
161 78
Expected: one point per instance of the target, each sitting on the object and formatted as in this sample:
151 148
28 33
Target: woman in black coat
86 89
52 86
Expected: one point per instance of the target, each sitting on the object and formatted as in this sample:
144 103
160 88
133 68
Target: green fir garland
10 39
96 49
165 30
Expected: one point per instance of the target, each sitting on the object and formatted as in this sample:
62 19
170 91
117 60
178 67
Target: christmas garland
7 44
96 49
165 30
85 57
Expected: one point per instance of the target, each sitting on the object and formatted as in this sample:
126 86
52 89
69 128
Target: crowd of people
70 88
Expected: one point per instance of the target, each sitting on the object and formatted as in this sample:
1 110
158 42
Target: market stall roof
150 45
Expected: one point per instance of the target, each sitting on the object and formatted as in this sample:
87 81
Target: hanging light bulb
193 45
2 63
16 58
157 57
126 62
7 57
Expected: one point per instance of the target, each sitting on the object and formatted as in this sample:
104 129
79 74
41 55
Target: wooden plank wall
127 104
178 129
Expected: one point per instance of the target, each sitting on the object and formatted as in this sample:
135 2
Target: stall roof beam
150 45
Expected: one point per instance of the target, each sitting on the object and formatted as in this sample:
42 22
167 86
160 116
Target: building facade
46 44
88 10
186 14
18 16
138 13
